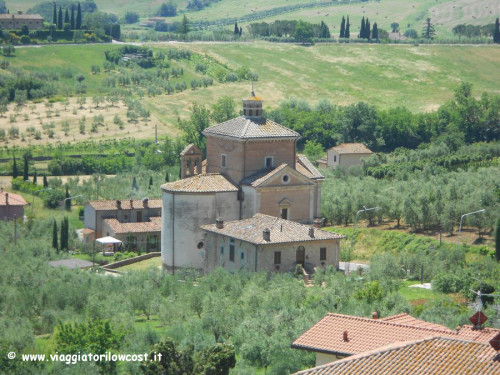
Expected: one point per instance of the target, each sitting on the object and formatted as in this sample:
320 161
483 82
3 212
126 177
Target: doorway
300 257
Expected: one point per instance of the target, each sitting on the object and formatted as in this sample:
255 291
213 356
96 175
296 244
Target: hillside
445 14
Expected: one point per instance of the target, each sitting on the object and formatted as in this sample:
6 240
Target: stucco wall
344 160
182 216
323 359
263 255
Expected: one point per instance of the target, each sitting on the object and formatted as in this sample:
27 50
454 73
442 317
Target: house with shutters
251 167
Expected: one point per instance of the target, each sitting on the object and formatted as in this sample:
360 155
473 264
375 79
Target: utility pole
461 221
348 263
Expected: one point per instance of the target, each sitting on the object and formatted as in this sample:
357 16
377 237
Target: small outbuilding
11 206
345 155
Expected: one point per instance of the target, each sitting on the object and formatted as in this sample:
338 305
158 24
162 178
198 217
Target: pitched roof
407 319
20 16
191 149
201 183
14 199
154 225
263 175
282 231
304 166
437 355
351 148
125 204
364 334
251 128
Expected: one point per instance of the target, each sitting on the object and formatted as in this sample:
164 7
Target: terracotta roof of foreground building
351 148
251 128
364 334
436 355
154 225
304 166
14 199
282 231
201 183
125 204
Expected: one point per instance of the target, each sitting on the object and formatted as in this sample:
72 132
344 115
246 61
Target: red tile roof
433 356
154 225
282 231
125 204
14 199
201 183
351 148
364 334
304 166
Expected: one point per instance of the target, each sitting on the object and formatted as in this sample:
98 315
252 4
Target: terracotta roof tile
201 183
251 128
304 166
364 334
262 176
154 225
192 149
282 231
351 148
125 204
14 199
437 355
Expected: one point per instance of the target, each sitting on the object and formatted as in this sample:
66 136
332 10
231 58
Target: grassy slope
444 13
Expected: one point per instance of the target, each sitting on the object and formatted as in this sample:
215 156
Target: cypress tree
72 20
241 30
342 28
134 184
35 176
375 32
362 29
496 32
45 182
78 22
54 16
150 181
60 19
64 233
367 29
66 16
54 236
167 177
26 167
236 29
15 171
67 202
347 28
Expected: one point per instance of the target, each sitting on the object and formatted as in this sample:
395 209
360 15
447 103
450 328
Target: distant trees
54 236
342 28
167 9
303 32
78 22
347 33
184 26
375 31
131 17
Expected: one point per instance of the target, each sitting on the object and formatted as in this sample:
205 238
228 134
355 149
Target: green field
409 14
420 78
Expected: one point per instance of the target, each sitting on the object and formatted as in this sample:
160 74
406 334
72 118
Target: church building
251 167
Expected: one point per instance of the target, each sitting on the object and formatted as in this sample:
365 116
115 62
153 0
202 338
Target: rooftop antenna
478 319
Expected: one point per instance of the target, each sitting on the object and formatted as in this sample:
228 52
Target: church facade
251 167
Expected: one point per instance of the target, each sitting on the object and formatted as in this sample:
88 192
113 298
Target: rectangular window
231 253
322 253
222 250
334 158
223 160
284 213
269 161
139 216
277 257
242 257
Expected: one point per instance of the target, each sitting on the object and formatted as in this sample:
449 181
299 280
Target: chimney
219 223
266 234
145 202
374 315
19 12
131 203
318 223
119 204
346 338
311 232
